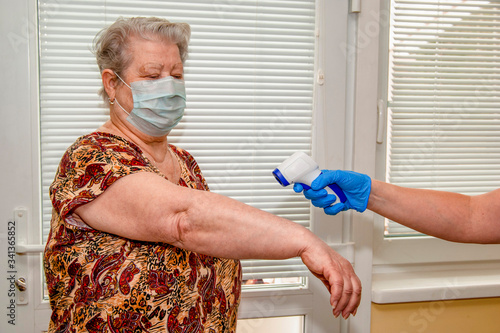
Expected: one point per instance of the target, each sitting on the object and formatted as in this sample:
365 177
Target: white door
23 306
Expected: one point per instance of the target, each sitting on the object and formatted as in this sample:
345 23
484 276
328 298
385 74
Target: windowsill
401 287
275 303
426 250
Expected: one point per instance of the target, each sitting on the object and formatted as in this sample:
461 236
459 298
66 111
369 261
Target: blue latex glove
356 187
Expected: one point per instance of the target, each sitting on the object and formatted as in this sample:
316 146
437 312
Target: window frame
403 254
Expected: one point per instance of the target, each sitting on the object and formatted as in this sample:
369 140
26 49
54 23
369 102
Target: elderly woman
137 242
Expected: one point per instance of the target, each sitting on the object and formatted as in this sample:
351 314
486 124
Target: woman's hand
337 274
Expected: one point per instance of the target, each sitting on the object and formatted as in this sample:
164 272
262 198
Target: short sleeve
89 167
192 176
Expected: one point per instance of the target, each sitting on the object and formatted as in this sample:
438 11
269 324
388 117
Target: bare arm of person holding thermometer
450 216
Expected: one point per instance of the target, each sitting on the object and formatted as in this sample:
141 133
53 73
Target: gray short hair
110 44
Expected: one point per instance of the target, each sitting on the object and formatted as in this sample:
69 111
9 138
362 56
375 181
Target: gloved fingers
335 209
297 187
325 201
312 194
326 178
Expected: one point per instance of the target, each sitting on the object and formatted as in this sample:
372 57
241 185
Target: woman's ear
109 82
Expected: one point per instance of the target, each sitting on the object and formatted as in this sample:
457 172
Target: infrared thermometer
301 168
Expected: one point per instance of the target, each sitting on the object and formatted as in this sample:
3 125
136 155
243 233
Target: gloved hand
356 187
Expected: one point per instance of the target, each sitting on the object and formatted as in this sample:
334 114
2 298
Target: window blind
443 103
249 85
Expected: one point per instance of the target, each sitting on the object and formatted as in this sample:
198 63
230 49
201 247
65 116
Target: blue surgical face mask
158 104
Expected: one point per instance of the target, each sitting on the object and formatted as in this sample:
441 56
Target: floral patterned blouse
100 282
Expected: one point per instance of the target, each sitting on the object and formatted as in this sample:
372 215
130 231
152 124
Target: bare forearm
442 214
220 226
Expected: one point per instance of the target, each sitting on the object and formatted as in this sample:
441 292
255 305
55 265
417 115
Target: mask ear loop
125 83
118 103
121 107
